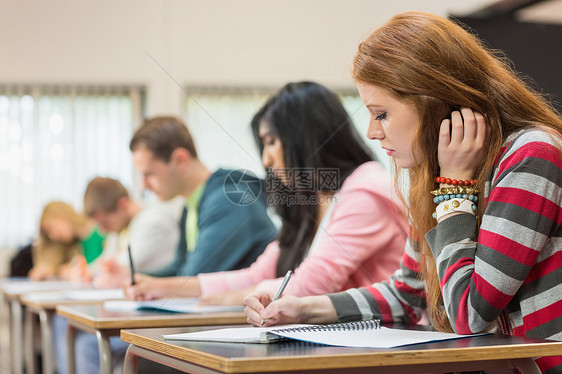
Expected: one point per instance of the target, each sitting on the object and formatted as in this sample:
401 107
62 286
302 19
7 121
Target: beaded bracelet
440 198
456 182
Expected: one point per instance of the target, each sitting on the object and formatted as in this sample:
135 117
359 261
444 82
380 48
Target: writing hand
40 272
260 308
77 270
145 288
110 274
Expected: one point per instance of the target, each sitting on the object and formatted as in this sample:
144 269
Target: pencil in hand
280 291
131 265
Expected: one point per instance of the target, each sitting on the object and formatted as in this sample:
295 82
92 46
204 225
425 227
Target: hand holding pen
264 308
280 290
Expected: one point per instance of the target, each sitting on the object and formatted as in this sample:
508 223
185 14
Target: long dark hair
315 132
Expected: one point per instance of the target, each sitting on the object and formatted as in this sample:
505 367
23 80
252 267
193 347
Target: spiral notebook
360 334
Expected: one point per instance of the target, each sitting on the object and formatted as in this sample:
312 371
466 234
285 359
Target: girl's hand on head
262 311
462 144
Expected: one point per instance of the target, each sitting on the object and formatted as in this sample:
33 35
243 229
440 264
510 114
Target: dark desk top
97 317
287 356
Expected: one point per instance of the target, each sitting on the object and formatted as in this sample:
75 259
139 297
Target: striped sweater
513 262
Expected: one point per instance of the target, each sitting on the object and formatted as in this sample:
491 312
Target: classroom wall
165 44
533 48
162 44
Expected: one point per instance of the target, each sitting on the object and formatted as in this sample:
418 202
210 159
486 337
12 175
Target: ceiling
539 11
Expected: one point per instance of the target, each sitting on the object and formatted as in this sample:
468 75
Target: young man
222 233
227 225
152 231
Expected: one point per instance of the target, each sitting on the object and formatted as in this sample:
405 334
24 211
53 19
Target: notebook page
76 295
382 337
96 294
233 335
177 305
32 286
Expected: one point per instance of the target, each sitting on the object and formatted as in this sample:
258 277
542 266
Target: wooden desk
43 306
12 292
478 353
104 324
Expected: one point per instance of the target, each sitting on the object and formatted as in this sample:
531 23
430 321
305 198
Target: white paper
369 338
179 305
32 286
382 337
232 335
78 295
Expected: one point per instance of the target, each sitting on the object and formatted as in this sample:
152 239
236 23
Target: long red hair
435 65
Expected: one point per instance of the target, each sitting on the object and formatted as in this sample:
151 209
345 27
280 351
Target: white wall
194 42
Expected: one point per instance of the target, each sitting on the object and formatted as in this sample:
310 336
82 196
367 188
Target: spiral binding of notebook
345 326
360 334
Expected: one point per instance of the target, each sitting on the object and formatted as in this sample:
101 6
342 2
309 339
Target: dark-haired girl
340 226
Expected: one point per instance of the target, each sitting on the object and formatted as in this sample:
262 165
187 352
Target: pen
280 290
131 265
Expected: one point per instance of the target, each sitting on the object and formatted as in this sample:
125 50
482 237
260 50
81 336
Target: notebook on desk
360 334
20 287
77 295
173 305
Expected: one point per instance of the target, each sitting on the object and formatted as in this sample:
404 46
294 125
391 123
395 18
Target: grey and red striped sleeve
399 300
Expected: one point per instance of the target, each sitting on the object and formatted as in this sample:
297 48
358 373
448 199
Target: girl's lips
389 152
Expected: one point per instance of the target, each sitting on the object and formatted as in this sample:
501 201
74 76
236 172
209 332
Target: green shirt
191 226
92 245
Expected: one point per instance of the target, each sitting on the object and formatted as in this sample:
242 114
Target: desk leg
46 323
134 352
105 353
131 363
16 343
526 366
70 358
29 343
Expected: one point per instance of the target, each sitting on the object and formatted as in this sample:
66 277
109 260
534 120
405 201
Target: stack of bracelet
461 197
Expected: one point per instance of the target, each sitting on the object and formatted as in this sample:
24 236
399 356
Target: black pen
280 290
131 265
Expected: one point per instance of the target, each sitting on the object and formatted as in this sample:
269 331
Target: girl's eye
380 117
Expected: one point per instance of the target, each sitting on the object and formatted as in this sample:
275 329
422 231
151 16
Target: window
219 120
53 140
